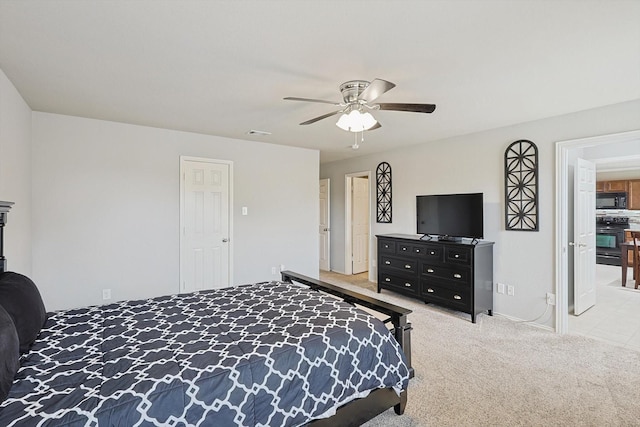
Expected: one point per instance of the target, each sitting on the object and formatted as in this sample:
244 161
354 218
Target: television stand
453 274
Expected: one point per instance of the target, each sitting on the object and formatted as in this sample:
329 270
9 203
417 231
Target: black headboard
4 209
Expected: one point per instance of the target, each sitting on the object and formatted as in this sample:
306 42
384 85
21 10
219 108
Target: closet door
205 229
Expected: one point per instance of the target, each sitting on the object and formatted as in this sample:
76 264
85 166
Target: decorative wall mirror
521 186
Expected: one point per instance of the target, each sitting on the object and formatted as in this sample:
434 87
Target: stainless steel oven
611 200
609 235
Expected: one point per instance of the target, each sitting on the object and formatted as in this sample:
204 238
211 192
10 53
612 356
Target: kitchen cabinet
612 186
634 194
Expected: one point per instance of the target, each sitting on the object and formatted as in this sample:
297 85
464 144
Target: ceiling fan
358 97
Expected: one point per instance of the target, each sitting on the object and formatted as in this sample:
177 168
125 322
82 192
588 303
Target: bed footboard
397 315
4 209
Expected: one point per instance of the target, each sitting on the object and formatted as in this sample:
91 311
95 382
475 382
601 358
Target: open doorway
595 149
357 223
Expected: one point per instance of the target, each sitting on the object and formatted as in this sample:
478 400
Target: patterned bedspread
269 354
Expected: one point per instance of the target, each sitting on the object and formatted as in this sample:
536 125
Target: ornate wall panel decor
521 186
383 192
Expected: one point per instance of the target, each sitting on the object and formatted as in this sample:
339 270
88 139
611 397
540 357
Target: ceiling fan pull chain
355 145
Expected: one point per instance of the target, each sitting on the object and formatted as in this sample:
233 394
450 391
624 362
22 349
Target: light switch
245 211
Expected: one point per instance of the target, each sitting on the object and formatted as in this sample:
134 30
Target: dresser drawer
405 249
458 255
406 265
401 284
457 275
422 251
386 247
450 297
432 252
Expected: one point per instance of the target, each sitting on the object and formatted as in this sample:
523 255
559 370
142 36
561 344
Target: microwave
611 200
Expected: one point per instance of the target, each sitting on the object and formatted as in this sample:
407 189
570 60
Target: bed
285 353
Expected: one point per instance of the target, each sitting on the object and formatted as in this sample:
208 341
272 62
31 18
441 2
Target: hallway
616 316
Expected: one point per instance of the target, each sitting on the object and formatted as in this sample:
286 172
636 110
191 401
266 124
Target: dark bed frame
357 411
4 209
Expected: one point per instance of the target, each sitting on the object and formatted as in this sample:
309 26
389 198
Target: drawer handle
430 270
432 252
457 297
456 256
386 246
407 266
417 251
404 249
408 285
457 276
430 290
388 262
387 279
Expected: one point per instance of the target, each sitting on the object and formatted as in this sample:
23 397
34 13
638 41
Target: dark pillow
20 298
9 355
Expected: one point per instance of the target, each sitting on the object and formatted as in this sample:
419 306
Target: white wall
106 208
475 163
15 175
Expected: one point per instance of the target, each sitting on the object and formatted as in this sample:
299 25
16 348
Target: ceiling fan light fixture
356 121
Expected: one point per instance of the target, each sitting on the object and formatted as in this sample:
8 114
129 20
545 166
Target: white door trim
563 151
348 266
183 160
327 225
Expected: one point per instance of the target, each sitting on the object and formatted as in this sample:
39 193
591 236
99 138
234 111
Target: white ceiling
222 67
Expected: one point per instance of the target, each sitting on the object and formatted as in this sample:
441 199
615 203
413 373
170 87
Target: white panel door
205 226
360 225
325 248
584 236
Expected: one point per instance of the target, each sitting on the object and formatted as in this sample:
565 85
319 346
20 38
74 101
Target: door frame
229 163
564 150
328 180
348 247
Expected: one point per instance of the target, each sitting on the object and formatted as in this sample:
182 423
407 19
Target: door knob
580 245
225 240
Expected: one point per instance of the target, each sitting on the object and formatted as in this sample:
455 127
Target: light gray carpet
501 373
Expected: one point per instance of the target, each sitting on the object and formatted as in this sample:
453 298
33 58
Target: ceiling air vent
258 132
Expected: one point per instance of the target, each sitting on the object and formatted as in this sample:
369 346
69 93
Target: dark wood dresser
457 275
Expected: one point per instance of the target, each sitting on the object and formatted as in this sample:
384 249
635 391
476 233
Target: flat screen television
450 216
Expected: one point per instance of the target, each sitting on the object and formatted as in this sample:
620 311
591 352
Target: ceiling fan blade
324 116
293 98
376 88
416 108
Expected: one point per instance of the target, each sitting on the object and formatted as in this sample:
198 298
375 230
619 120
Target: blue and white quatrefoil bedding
269 354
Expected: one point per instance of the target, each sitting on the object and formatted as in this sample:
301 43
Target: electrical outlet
551 298
273 270
511 291
106 294
500 289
